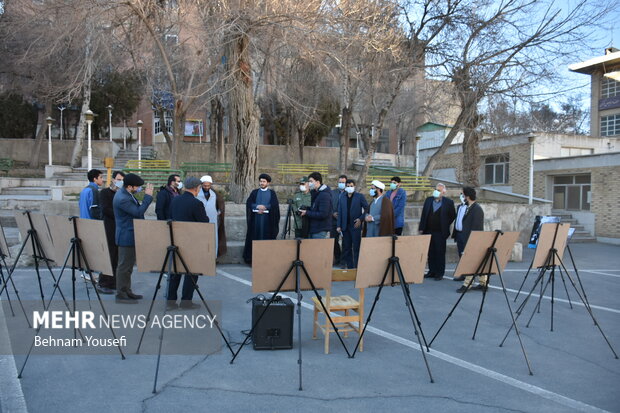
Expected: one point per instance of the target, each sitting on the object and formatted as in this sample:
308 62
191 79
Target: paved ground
574 369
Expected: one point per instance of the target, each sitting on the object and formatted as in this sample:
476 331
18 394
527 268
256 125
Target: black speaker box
275 329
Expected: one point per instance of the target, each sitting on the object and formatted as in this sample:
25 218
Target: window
568 151
496 169
572 192
609 88
610 125
157 123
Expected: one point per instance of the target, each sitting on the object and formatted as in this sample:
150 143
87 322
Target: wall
21 150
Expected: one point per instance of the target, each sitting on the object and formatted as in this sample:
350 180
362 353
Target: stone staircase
580 235
148 152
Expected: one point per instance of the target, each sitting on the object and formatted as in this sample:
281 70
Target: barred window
609 88
610 125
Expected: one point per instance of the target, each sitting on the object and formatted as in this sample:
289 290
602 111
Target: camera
290 201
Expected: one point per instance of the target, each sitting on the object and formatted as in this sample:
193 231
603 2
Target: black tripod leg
451 311
372 309
565 289
415 314
524 279
583 291
552 294
247 337
161 340
540 297
514 321
589 310
318 296
157 287
414 317
484 295
299 298
8 296
36 264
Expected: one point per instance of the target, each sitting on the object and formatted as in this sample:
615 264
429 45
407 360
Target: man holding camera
301 200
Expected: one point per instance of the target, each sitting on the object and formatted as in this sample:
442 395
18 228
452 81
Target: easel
553 260
5 252
393 267
32 238
170 264
297 266
78 262
489 265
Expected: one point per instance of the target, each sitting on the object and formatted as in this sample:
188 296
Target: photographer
301 200
320 213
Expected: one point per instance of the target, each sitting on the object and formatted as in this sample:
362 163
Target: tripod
172 253
553 261
4 280
298 266
78 262
38 254
486 268
287 223
395 269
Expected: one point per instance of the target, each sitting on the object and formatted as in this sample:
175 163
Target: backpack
96 211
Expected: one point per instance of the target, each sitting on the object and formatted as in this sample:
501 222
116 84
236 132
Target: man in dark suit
352 207
107 283
469 217
437 216
126 209
186 208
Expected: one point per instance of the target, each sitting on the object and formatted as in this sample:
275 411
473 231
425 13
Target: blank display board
272 259
546 242
4 246
195 242
91 233
475 250
375 252
39 224
61 231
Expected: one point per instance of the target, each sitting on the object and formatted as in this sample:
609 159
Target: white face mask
180 186
350 189
436 194
462 198
311 185
302 188
118 184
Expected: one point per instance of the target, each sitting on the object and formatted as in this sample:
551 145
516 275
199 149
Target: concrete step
577 239
27 190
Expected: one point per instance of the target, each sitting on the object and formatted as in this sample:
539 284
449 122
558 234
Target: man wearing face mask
469 217
320 213
263 215
351 210
437 216
215 209
333 233
126 209
398 196
186 208
107 283
380 218
165 196
301 200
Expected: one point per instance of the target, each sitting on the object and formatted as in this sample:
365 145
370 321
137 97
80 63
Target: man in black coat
165 196
107 283
320 213
437 216
186 208
263 215
469 217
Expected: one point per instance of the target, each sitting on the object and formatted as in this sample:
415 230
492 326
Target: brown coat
386 227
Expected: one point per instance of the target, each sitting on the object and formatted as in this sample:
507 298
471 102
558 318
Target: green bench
157 177
6 164
204 168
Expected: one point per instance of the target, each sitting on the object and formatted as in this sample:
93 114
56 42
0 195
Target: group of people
118 206
342 213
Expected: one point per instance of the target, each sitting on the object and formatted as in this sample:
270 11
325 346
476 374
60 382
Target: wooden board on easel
546 242
477 246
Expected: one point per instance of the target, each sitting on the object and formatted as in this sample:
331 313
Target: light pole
61 108
140 123
90 116
530 198
49 122
109 108
417 155
124 135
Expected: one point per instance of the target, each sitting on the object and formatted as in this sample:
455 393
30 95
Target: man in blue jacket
320 213
398 196
90 207
437 216
186 208
352 207
126 209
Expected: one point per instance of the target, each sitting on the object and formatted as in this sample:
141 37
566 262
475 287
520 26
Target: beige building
604 73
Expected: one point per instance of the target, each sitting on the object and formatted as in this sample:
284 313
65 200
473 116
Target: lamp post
417 155
530 198
90 116
49 122
109 108
140 123
61 108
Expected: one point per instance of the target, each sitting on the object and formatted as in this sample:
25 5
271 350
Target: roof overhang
605 64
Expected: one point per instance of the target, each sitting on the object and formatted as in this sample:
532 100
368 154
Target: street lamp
90 116
61 108
49 122
530 198
417 155
140 123
109 108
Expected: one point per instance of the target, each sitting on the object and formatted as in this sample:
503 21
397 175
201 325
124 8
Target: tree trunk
220 156
36 152
345 125
301 141
243 113
178 131
76 156
213 131
471 152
